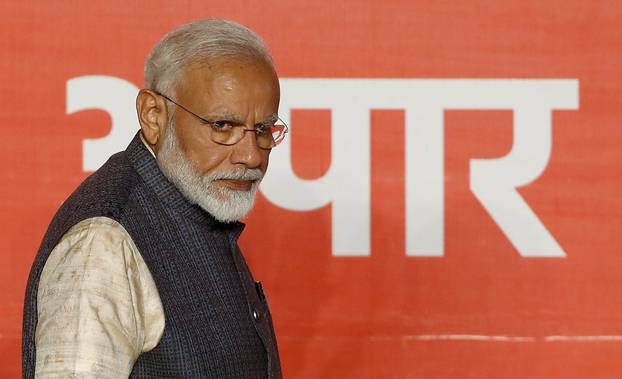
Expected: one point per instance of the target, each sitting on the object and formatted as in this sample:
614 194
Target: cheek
209 159
266 161
200 150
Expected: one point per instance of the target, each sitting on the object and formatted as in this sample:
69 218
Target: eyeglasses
226 132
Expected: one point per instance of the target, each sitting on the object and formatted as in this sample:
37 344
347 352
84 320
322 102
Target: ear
152 115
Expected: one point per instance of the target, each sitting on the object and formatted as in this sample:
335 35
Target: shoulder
105 193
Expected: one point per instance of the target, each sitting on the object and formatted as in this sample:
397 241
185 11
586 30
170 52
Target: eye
221 125
263 128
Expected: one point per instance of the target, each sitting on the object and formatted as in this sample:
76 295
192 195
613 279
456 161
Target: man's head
221 72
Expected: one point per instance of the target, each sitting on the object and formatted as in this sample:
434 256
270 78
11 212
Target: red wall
482 308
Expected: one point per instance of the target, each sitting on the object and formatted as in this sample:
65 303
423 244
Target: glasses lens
272 138
265 140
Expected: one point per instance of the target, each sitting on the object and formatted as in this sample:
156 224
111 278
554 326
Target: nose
247 152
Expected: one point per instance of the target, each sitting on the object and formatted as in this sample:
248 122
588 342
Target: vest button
256 315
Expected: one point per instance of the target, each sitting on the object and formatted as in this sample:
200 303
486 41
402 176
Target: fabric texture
98 307
217 319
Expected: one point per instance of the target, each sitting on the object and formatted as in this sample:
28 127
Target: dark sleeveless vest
217 322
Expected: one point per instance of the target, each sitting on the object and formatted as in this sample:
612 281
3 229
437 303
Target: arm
98 307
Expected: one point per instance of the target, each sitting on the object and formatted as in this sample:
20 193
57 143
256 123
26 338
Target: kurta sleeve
98 306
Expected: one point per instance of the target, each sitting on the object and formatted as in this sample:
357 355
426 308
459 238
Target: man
139 273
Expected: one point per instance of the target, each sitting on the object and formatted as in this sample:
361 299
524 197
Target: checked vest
217 321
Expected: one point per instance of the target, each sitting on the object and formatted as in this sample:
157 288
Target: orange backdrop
481 306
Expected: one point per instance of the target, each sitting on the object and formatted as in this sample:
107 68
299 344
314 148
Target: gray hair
199 42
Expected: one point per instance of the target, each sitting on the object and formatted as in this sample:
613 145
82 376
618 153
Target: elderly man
139 273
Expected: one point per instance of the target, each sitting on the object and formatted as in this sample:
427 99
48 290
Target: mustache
238 174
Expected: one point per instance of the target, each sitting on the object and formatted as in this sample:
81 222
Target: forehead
240 81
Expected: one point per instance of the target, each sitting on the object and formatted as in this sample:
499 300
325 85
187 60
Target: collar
142 138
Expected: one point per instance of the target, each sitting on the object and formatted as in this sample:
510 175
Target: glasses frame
244 130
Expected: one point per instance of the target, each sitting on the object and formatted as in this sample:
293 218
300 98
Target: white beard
226 205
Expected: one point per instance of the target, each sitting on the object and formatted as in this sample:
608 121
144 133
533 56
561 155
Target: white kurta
98 306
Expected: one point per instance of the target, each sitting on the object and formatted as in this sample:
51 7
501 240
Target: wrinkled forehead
234 67
234 78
